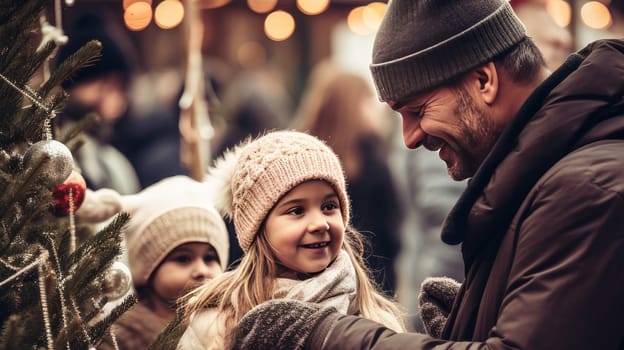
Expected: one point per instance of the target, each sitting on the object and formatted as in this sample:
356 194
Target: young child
286 194
175 241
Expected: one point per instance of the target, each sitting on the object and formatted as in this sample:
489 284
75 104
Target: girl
286 195
175 241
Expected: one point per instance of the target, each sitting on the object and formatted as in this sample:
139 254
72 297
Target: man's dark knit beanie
424 43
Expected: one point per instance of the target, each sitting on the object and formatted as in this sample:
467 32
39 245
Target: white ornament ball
117 281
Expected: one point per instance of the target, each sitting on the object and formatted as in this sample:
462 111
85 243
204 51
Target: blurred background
293 34
273 45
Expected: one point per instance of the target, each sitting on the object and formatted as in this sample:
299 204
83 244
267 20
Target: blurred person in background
148 135
553 41
100 88
340 108
252 102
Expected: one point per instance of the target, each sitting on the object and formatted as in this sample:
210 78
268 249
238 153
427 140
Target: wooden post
195 128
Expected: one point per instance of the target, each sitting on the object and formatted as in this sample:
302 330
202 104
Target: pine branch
169 337
95 256
45 302
84 57
100 328
13 332
70 135
20 186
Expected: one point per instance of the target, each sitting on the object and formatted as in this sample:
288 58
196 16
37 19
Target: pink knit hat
167 214
251 178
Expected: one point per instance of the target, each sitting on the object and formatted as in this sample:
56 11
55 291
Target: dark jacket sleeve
356 333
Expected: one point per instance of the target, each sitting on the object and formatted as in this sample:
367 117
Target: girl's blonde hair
251 283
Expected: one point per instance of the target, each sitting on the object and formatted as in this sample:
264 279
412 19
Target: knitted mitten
279 324
436 298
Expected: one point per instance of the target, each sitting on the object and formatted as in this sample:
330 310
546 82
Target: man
541 222
432 195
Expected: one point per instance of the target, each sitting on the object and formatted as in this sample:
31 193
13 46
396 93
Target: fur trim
219 178
99 205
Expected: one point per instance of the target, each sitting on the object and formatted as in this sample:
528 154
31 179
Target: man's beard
478 134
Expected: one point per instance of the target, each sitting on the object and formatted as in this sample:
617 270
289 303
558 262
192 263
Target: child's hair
252 282
253 177
166 215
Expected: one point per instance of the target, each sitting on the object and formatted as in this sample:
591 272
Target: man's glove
279 324
436 298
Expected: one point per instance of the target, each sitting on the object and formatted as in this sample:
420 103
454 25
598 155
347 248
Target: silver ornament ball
117 281
57 158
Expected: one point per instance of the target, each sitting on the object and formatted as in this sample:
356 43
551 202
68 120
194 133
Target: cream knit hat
251 178
167 214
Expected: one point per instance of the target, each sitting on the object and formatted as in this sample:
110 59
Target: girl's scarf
335 286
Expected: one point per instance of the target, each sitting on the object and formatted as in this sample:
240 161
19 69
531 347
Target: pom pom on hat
258 172
219 179
167 214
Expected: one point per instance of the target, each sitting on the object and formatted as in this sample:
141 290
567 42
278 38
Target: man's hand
279 324
436 298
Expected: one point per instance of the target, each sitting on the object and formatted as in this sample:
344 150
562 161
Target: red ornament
75 184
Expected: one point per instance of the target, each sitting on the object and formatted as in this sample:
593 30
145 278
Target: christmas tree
53 285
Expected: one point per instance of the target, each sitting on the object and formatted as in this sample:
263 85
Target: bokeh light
127 3
560 11
373 14
138 16
169 14
312 7
279 25
595 15
355 21
261 6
